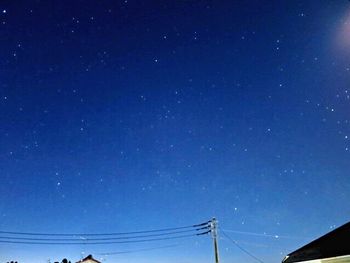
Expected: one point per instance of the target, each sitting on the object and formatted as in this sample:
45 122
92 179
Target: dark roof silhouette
333 244
89 257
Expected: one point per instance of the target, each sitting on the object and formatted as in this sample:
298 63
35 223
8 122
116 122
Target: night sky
134 115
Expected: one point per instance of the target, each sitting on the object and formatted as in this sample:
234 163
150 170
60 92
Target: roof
89 258
333 244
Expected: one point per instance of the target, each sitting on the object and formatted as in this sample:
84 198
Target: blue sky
133 115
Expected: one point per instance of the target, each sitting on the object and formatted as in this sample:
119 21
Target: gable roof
88 258
333 244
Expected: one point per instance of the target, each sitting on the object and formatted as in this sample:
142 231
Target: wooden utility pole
214 234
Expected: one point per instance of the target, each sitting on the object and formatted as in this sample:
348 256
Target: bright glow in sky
343 36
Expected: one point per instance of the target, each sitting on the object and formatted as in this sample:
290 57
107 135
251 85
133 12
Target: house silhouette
88 259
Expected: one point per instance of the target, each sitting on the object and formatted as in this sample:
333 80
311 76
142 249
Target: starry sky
135 115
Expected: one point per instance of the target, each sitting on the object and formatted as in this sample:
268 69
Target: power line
241 248
263 234
254 244
102 243
136 250
104 234
82 238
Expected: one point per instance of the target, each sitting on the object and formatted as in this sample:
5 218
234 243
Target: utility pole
214 234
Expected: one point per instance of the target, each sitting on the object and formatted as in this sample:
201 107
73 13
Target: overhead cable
82 238
135 250
263 234
102 243
241 248
104 234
